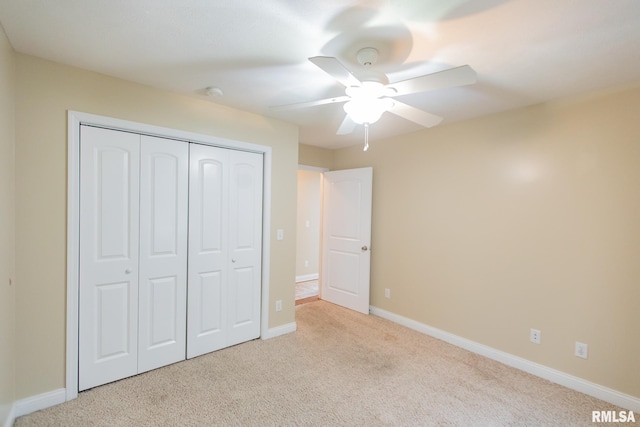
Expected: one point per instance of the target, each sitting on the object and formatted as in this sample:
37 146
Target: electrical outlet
279 305
306 263
534 336
582 350
387 293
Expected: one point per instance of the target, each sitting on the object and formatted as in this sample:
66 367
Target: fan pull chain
366 137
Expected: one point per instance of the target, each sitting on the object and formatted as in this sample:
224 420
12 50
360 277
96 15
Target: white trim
266 242
11 416
600 392
74 120
73 253
307 277
280 330
38 402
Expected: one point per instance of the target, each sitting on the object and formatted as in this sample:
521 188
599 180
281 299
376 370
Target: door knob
365 248
233 260
128 270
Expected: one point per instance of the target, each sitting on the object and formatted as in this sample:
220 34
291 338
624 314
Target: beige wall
526 219
45 91
309 155
7 221
308 237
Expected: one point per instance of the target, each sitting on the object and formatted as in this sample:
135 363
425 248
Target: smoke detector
214 92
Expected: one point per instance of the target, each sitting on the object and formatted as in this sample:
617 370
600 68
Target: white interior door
108 278
164 184
225 241
346 229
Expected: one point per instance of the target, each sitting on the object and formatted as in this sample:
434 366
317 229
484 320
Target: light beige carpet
339 369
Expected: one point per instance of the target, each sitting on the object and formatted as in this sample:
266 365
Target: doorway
308 229
334 236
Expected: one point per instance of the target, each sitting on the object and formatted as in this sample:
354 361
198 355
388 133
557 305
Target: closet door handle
233 260
128 270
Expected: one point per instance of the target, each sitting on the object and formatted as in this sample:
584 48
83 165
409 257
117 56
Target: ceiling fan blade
414 114
459 76
342 98
347 126
335 69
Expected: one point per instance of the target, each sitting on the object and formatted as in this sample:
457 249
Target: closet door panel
209 294
241 296
164 181
208 250
108 285
245 245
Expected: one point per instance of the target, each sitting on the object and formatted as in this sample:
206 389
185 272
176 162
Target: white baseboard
575 383
9 417
280 330
41 401
307 277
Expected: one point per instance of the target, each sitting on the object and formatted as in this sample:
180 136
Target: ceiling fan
370 94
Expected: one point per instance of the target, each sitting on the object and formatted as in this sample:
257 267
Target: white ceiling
524 51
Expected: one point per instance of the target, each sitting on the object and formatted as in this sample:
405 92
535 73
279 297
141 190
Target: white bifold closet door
142 199
162 297
225 248
133 254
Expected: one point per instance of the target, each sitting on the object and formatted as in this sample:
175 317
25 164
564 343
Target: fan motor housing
367 56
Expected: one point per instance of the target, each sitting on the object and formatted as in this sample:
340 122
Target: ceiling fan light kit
370 95
367 110
368 102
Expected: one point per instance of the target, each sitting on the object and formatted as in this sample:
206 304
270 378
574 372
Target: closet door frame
74 120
